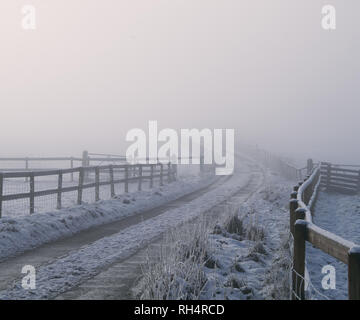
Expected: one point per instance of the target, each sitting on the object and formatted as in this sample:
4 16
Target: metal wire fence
38 191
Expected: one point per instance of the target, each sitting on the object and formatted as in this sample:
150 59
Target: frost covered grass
237 244
177 272
242 254
278 281
180 271
260 254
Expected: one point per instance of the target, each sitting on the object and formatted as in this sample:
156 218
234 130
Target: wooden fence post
72 167
300 214
174 161
328 177
126 179
85 162
174 171
293 207
1 191
161 174
60 181
32 193
354 273
97 184
298 274
310 166
293 195
202 162
169 172
85 159
81 182
112 186
26 167
306 195
140 177
151 176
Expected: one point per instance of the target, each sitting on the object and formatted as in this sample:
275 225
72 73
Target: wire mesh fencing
27 192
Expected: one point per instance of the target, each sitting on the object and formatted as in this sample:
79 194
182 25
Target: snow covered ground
339 214
253 263
27 232
68 271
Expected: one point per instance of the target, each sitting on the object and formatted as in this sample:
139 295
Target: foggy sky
95 69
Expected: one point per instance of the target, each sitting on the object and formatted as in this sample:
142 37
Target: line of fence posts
83 175
298 231
276 163
299 228
139 176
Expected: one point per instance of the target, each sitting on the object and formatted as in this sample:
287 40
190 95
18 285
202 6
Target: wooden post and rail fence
81 168
302 228
142 173
340 178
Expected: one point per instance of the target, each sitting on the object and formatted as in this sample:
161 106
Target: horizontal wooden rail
41 159
337 184
341 175
331 244
351 181
336 169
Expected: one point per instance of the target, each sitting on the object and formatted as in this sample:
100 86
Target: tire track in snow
66 272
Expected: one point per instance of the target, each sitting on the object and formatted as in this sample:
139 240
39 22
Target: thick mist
92 70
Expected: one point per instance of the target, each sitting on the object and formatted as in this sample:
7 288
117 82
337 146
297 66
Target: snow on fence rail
303 229
88 177
340 178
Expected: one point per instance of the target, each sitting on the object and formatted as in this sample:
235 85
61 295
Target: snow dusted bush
234 281
234 225
254 232
258 248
